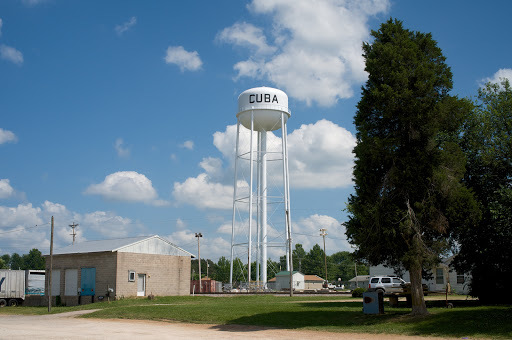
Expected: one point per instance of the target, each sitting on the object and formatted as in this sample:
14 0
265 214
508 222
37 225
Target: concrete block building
137 266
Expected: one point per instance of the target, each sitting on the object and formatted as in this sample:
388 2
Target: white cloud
320 157
128 186
187 61
120 29
201 192
211 247
320 154
122 151
306 231
180 224
499 76
25 227
246 35
5 188
11 54
188 145
7 136
109 225
315 54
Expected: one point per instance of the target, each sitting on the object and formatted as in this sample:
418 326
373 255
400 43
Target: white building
443 275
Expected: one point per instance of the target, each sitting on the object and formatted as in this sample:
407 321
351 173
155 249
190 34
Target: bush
358 292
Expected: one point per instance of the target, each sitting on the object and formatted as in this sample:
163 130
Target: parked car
386 284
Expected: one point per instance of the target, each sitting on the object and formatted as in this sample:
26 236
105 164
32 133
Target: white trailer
12 287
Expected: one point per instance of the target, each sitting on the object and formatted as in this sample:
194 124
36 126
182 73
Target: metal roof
360 278
129 244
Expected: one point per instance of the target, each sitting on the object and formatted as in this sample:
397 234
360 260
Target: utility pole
323 233
73 226
50 274
199 235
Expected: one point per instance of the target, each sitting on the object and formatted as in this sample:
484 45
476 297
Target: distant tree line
33 260
340 265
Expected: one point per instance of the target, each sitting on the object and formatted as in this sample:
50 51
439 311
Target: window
131 275
386 280
396 280
375 280
439 276
460 278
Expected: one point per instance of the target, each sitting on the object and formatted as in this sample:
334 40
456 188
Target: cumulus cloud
11 54
306 231
202 192
315 50
186 61
320 157
121 150
24 227
246 35
320 154
188 145
5 188
128 186
7 136
120 29
109 225
499 76
211 247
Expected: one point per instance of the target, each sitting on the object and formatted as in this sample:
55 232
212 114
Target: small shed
283 280
208 285
313 282
137 266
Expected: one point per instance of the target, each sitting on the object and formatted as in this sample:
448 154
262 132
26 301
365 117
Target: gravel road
68 326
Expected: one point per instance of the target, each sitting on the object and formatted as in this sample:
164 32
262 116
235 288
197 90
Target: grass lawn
332 313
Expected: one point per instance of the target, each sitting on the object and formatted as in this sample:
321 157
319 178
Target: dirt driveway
67 326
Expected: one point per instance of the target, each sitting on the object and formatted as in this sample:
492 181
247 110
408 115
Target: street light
323 233
199 235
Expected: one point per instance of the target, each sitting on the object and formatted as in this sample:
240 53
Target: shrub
358 292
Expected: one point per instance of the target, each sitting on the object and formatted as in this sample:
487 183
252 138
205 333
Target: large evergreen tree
485 251
408 169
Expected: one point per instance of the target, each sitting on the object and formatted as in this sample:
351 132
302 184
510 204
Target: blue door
88 282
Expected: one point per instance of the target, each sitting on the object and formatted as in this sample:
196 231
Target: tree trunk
418 300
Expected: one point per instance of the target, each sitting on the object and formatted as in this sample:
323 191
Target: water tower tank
266 104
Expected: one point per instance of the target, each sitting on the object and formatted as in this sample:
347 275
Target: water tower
261 198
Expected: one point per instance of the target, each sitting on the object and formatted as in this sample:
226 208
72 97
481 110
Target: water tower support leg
234 203
264 205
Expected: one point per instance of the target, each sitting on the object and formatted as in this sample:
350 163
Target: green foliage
358 292
409 198
485 250
221 272
16 261
6 259
33 260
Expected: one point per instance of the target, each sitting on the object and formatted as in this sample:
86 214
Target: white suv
386 284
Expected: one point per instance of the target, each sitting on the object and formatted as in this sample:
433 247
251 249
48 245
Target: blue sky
119 115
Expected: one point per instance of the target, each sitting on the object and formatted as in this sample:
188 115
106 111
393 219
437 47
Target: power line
24 228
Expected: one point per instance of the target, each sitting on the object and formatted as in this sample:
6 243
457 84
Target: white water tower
261 198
